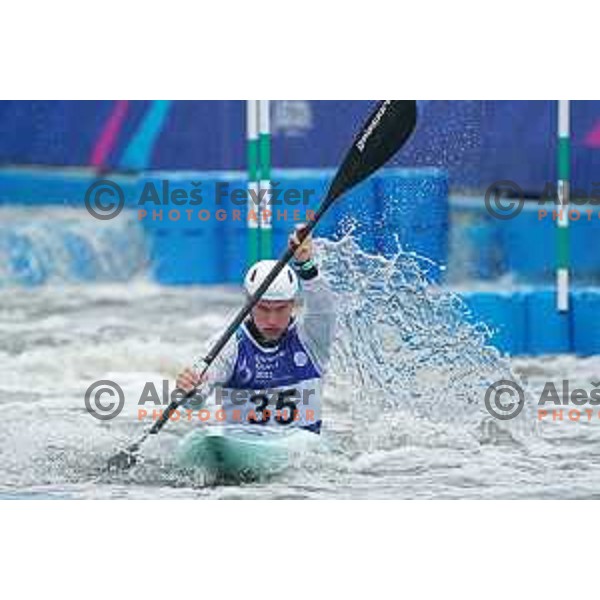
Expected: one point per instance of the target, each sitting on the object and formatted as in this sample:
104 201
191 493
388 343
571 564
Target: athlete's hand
304 251
190 379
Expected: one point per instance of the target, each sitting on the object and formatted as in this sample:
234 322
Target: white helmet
285 286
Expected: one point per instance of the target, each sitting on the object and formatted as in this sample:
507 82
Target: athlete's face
272 317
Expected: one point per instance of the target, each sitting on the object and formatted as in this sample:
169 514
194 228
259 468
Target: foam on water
56 244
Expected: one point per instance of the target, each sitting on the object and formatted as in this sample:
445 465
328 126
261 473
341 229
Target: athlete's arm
218 373
317 326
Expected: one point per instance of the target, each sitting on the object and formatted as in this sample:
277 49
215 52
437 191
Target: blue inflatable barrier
529 243
356 211
179 208
66 188
585 249
234 229
82 261
122 252
21 261
529 246
504 314
26 188
414 211
185 231
475 249
184 257
548 331
586 321
54 245
299 191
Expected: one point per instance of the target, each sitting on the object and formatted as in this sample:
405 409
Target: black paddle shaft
383 134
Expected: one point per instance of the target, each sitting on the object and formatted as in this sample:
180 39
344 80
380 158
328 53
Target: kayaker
271 372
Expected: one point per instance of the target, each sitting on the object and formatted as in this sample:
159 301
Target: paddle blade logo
371 126
384 133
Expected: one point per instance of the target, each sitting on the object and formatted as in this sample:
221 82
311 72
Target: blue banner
478 142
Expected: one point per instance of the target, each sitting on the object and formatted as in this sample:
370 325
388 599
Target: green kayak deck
243 453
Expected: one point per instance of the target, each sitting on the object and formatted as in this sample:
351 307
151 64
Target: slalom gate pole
563 170
264 177
252 211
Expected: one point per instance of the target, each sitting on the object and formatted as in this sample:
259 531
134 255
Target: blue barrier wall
548 331
525 247
203 239
411 210
207 251
526 321
504 313
586 324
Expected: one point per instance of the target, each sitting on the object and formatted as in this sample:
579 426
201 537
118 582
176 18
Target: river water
404 413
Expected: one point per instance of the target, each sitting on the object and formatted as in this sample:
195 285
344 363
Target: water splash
408 364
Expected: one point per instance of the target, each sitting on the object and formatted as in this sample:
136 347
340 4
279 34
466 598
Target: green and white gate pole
259 219
264 166
253 185
564 164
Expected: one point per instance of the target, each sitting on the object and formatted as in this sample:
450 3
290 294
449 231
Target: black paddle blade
382 135
121 461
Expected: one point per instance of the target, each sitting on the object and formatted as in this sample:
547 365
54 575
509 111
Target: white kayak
244 453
